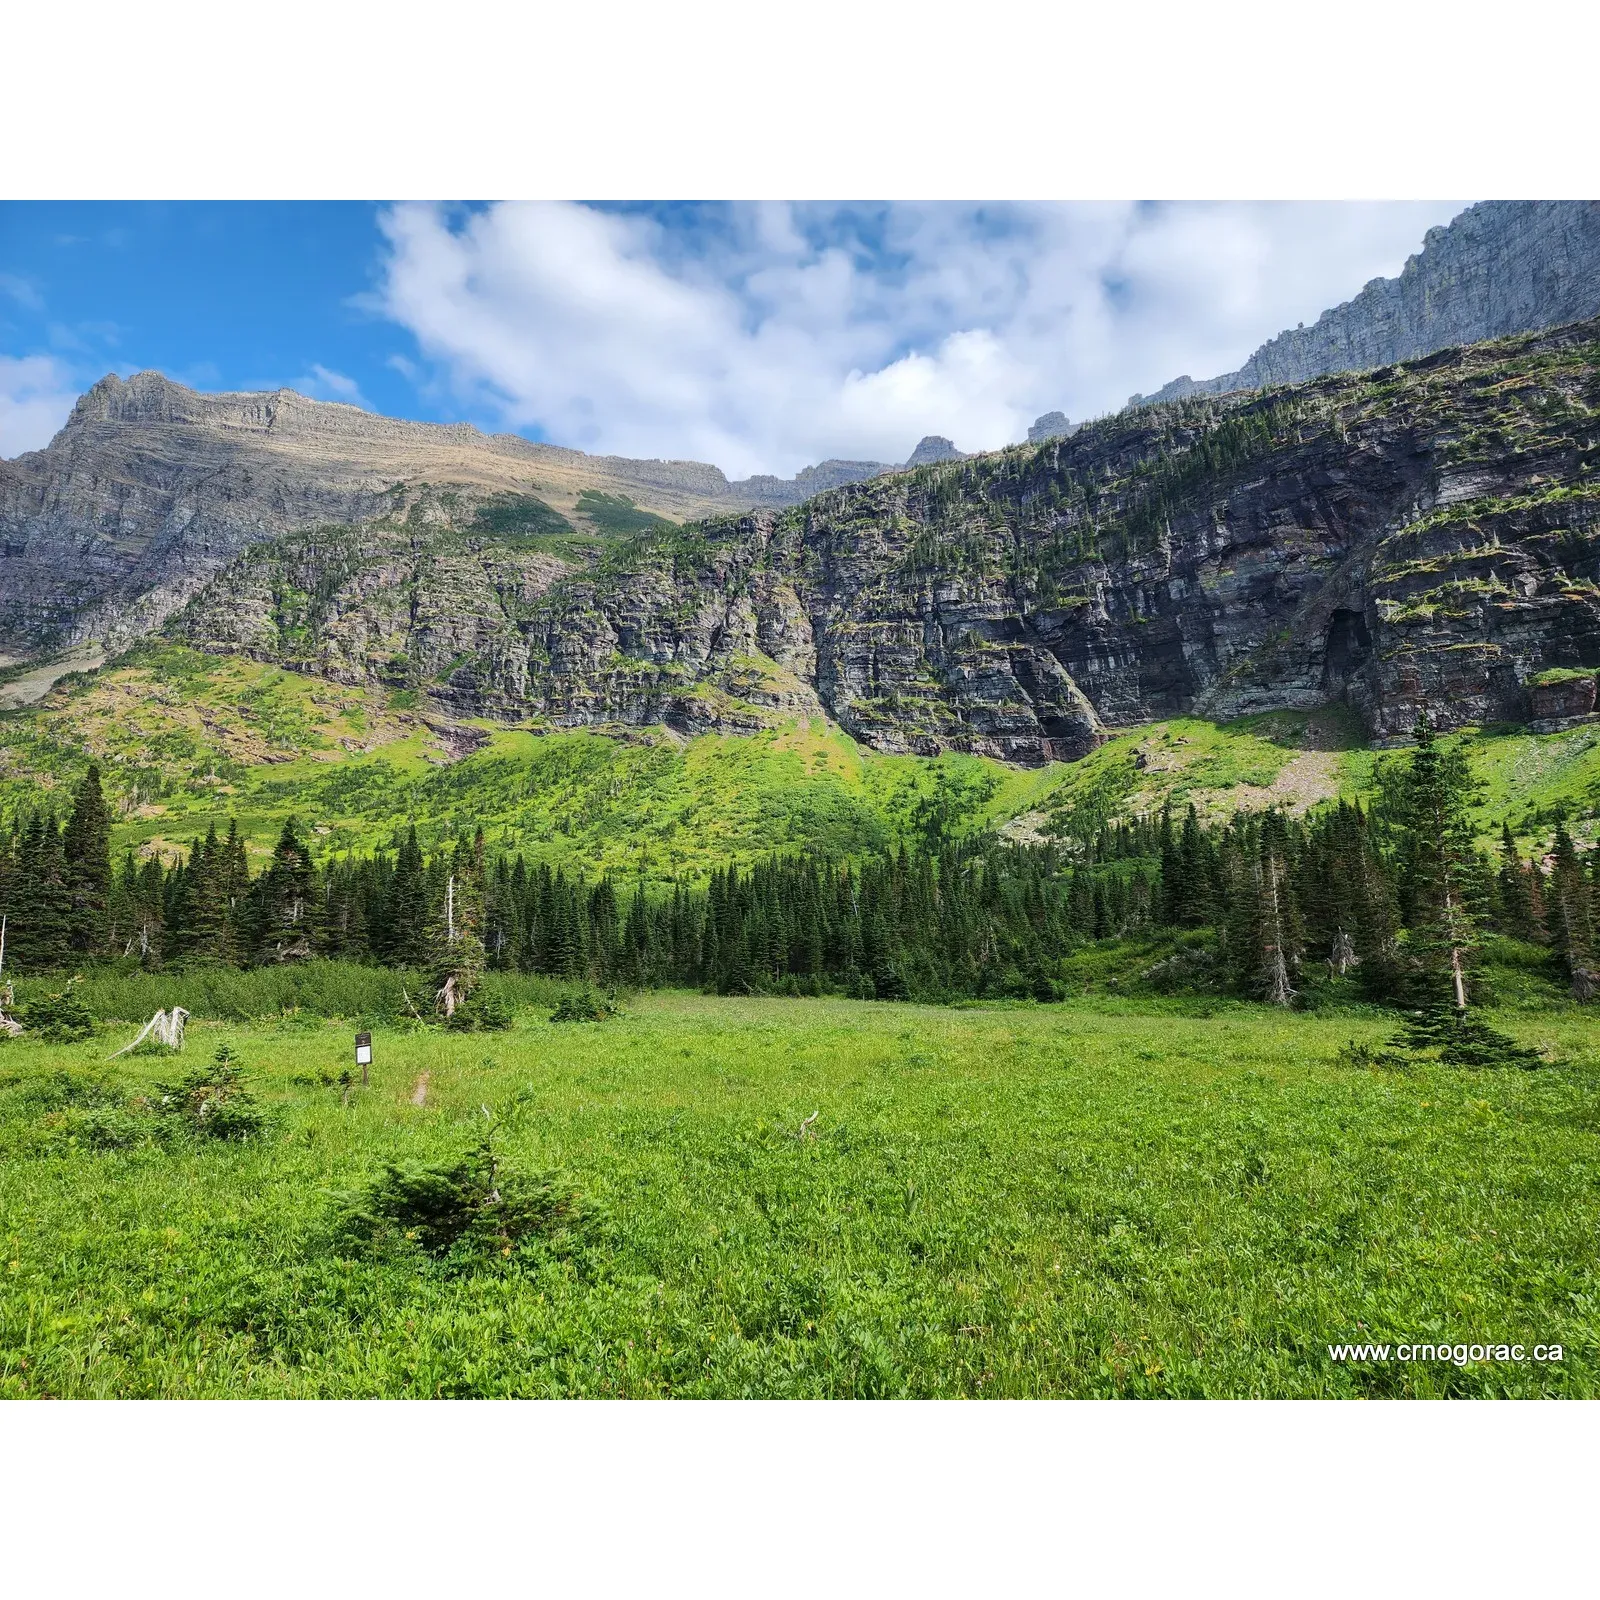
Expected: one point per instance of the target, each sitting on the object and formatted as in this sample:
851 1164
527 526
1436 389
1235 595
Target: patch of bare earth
452 742
1025 829
1306 781
34 685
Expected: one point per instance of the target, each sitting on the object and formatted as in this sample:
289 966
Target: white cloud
322 383
764 337
36 396
20 290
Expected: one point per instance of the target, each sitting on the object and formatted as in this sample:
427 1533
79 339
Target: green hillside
186 739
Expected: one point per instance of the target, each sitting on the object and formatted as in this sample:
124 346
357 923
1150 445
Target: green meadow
768 1197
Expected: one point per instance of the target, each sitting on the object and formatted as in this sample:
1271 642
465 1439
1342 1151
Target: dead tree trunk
9 1025
1275 965
165 1027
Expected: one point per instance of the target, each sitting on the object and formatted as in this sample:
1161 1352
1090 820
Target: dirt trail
419 1095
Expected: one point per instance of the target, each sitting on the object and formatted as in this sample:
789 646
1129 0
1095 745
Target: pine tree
1430 800
282 920
87 849
1276 936
1571 916
39 934
208 931
458 953
1514 895
404 934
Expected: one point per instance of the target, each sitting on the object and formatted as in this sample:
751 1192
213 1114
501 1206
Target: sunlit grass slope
187 739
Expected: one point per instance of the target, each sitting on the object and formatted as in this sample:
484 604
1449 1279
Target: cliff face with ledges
1424 534
151 487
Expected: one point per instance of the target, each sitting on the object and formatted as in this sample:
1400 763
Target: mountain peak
1501 267
934 447
1052 425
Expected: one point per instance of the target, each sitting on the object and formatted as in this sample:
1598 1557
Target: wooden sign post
364 1055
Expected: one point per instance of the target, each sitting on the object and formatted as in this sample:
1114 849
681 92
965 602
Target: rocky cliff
1420 534
1052 425
151 487
933 447
1503 267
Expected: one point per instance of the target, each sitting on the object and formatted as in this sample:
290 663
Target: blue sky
218 296
757 336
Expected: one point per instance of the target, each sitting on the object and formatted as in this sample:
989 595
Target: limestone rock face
764 490
1563 702
933 448
1502 267
151 487
1052 425
1421 535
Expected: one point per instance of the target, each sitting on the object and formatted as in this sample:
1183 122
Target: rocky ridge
150 487
1426 534
1052 425
1502 267
933 447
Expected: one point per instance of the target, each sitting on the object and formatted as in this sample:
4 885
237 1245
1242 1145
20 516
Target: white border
838 99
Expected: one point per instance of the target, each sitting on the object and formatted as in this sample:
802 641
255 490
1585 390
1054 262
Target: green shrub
586 1006
212 1102
484 1012
471 1209
1373 1057
54 1091
1462 1039
317 988
107 1127
62 1018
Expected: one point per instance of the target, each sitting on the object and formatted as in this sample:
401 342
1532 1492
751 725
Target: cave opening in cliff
1346 649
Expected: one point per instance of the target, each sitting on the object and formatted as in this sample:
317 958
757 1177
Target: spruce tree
1430 799
283 917
404 937
1571 916
1514 898
87 850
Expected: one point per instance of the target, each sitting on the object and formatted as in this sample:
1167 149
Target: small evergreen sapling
61 1018
212 1102
586 1006
470 1210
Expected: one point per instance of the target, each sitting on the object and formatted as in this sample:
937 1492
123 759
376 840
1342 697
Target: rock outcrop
764 490
1420 535
150 487
933 448
1052 425
1502 267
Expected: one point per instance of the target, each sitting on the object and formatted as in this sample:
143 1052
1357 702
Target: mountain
1421 533
1052 425
764 490
933 448
1502 267
1425 534
150 487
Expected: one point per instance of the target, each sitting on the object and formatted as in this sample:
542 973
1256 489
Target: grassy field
1138 1200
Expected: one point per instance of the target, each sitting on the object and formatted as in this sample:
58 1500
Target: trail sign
363 1053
